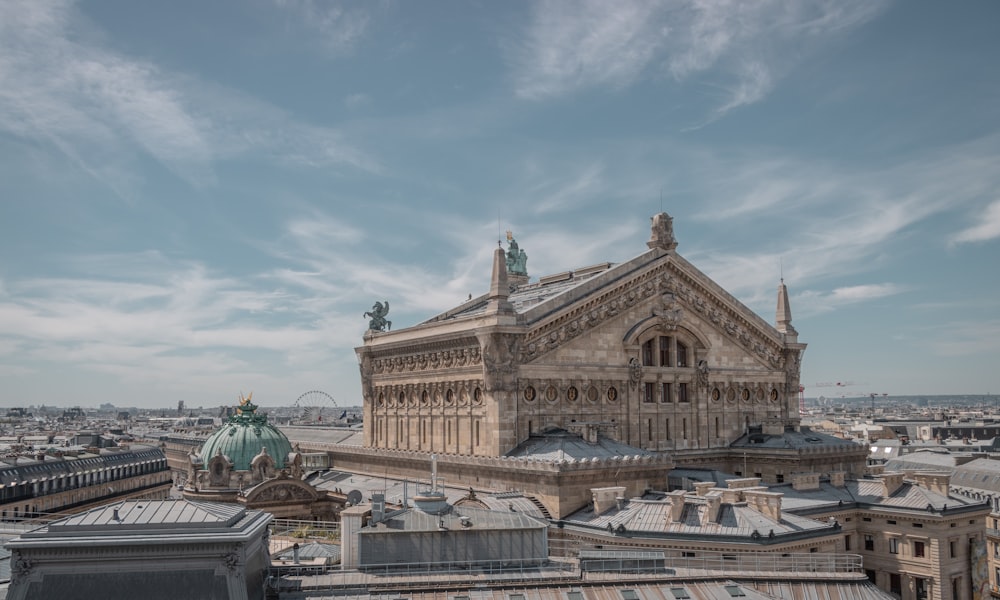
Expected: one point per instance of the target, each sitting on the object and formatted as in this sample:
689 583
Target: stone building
73 479
144 549
250 462
651 353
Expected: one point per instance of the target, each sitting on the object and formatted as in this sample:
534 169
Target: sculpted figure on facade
499 353
378 321
669 312
516 258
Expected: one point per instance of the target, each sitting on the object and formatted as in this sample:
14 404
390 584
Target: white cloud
61 87
811 302
986 229
739 47
575 45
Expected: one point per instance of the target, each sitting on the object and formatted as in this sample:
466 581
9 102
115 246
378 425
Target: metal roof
559 444
152 514
459 518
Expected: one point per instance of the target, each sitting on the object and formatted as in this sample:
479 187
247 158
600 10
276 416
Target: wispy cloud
967 338
986 229
339 28
96 105
575 45
740 48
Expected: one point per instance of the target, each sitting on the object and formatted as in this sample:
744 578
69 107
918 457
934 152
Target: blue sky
202 198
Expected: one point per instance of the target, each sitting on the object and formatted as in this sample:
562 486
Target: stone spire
499 287
783 316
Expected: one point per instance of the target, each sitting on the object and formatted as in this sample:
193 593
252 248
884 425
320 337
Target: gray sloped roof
868 492
528 295
653 516
563 445
979 474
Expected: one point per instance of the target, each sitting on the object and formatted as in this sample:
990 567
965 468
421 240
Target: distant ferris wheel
316 406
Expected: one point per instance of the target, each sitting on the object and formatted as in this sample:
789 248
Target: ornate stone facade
588 347
650 352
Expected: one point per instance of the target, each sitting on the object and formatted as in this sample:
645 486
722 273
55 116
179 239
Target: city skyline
203 200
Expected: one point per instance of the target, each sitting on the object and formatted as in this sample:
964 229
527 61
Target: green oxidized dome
243 436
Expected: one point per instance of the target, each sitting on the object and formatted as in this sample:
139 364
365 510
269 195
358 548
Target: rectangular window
667 395
682 392
664 351
682 359
920 587
918 549
649 390
684 429
717 429
847 543
870 574
893 545
951 548
647 353
649 429
869 542
895 584
666 429
779 478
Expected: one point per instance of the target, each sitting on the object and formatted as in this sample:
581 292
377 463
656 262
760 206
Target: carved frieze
426 361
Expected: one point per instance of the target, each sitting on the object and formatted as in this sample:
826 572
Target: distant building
76 478
144 549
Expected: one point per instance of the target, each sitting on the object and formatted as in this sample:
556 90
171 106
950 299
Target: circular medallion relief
529 394
745 395
730 395
572 393
773 397
716 394
758 395
593 393
463 397
612 394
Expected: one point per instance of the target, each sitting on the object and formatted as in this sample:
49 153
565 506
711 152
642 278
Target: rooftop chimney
890 483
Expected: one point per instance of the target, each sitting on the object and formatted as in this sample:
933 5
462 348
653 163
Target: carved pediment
671 292
281 490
